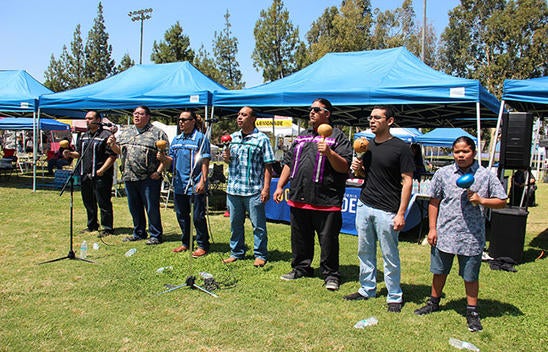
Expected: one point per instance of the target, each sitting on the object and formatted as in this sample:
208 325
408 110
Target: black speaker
507 236
516 138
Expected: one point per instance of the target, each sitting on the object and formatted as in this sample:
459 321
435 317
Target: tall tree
56 75
225 48
318 37
496 39
125 63
276 43
398 27
99 62
206 64
341 30
176 47
76 61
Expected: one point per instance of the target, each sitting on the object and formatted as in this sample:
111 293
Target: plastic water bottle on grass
366 322
130 252
164 268
84 250
462 345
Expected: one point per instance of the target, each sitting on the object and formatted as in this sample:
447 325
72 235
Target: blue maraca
465 181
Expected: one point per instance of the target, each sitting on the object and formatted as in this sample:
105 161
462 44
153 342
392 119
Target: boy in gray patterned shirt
457 225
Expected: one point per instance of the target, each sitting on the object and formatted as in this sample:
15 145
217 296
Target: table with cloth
280 211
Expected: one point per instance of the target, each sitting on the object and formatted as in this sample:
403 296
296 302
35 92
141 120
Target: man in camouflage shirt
142 174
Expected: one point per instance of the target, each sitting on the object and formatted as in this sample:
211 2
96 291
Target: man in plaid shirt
249 158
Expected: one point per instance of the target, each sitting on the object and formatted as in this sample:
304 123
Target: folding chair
166 192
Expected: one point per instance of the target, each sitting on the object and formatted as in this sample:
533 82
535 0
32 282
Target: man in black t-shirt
380 214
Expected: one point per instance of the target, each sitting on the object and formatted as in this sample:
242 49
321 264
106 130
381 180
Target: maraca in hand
325 130
225 140
161 145
360 145
465 181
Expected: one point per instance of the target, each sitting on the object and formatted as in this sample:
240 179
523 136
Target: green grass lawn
115 303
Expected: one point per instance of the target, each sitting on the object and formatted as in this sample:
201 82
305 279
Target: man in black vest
96 173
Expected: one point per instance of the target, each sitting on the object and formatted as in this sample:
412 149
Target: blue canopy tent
408 135
159 86
526 95
442 137
356 81
19 93
27 123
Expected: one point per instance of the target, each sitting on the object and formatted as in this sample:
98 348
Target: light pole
140 15
423 30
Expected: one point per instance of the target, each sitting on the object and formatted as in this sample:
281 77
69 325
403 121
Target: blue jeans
182 204
237 206
145 195
372 225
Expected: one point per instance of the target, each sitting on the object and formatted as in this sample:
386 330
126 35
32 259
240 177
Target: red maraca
225 140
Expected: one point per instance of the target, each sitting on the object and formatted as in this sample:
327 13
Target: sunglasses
187 119
317 109
375 117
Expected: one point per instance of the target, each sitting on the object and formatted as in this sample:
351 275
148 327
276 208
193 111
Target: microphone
211 120
106 124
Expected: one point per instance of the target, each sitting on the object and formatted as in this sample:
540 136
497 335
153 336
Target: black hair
325 103
390 111
252 112
144 107
467 140
97 114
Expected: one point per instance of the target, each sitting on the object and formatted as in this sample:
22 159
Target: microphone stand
70 181
191 279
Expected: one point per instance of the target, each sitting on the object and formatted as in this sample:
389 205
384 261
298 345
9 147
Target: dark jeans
304 224
145 195
182 204
57 164
98 191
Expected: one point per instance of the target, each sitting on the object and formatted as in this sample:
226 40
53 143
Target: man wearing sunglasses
388 165
317 167
189 153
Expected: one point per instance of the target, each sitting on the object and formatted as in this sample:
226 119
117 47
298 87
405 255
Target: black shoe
473 320
332 285
428 308
132 239
153 241
356 296
105 233
394 307
292 275
87 230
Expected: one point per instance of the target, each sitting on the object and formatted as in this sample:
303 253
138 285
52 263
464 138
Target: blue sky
29 34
